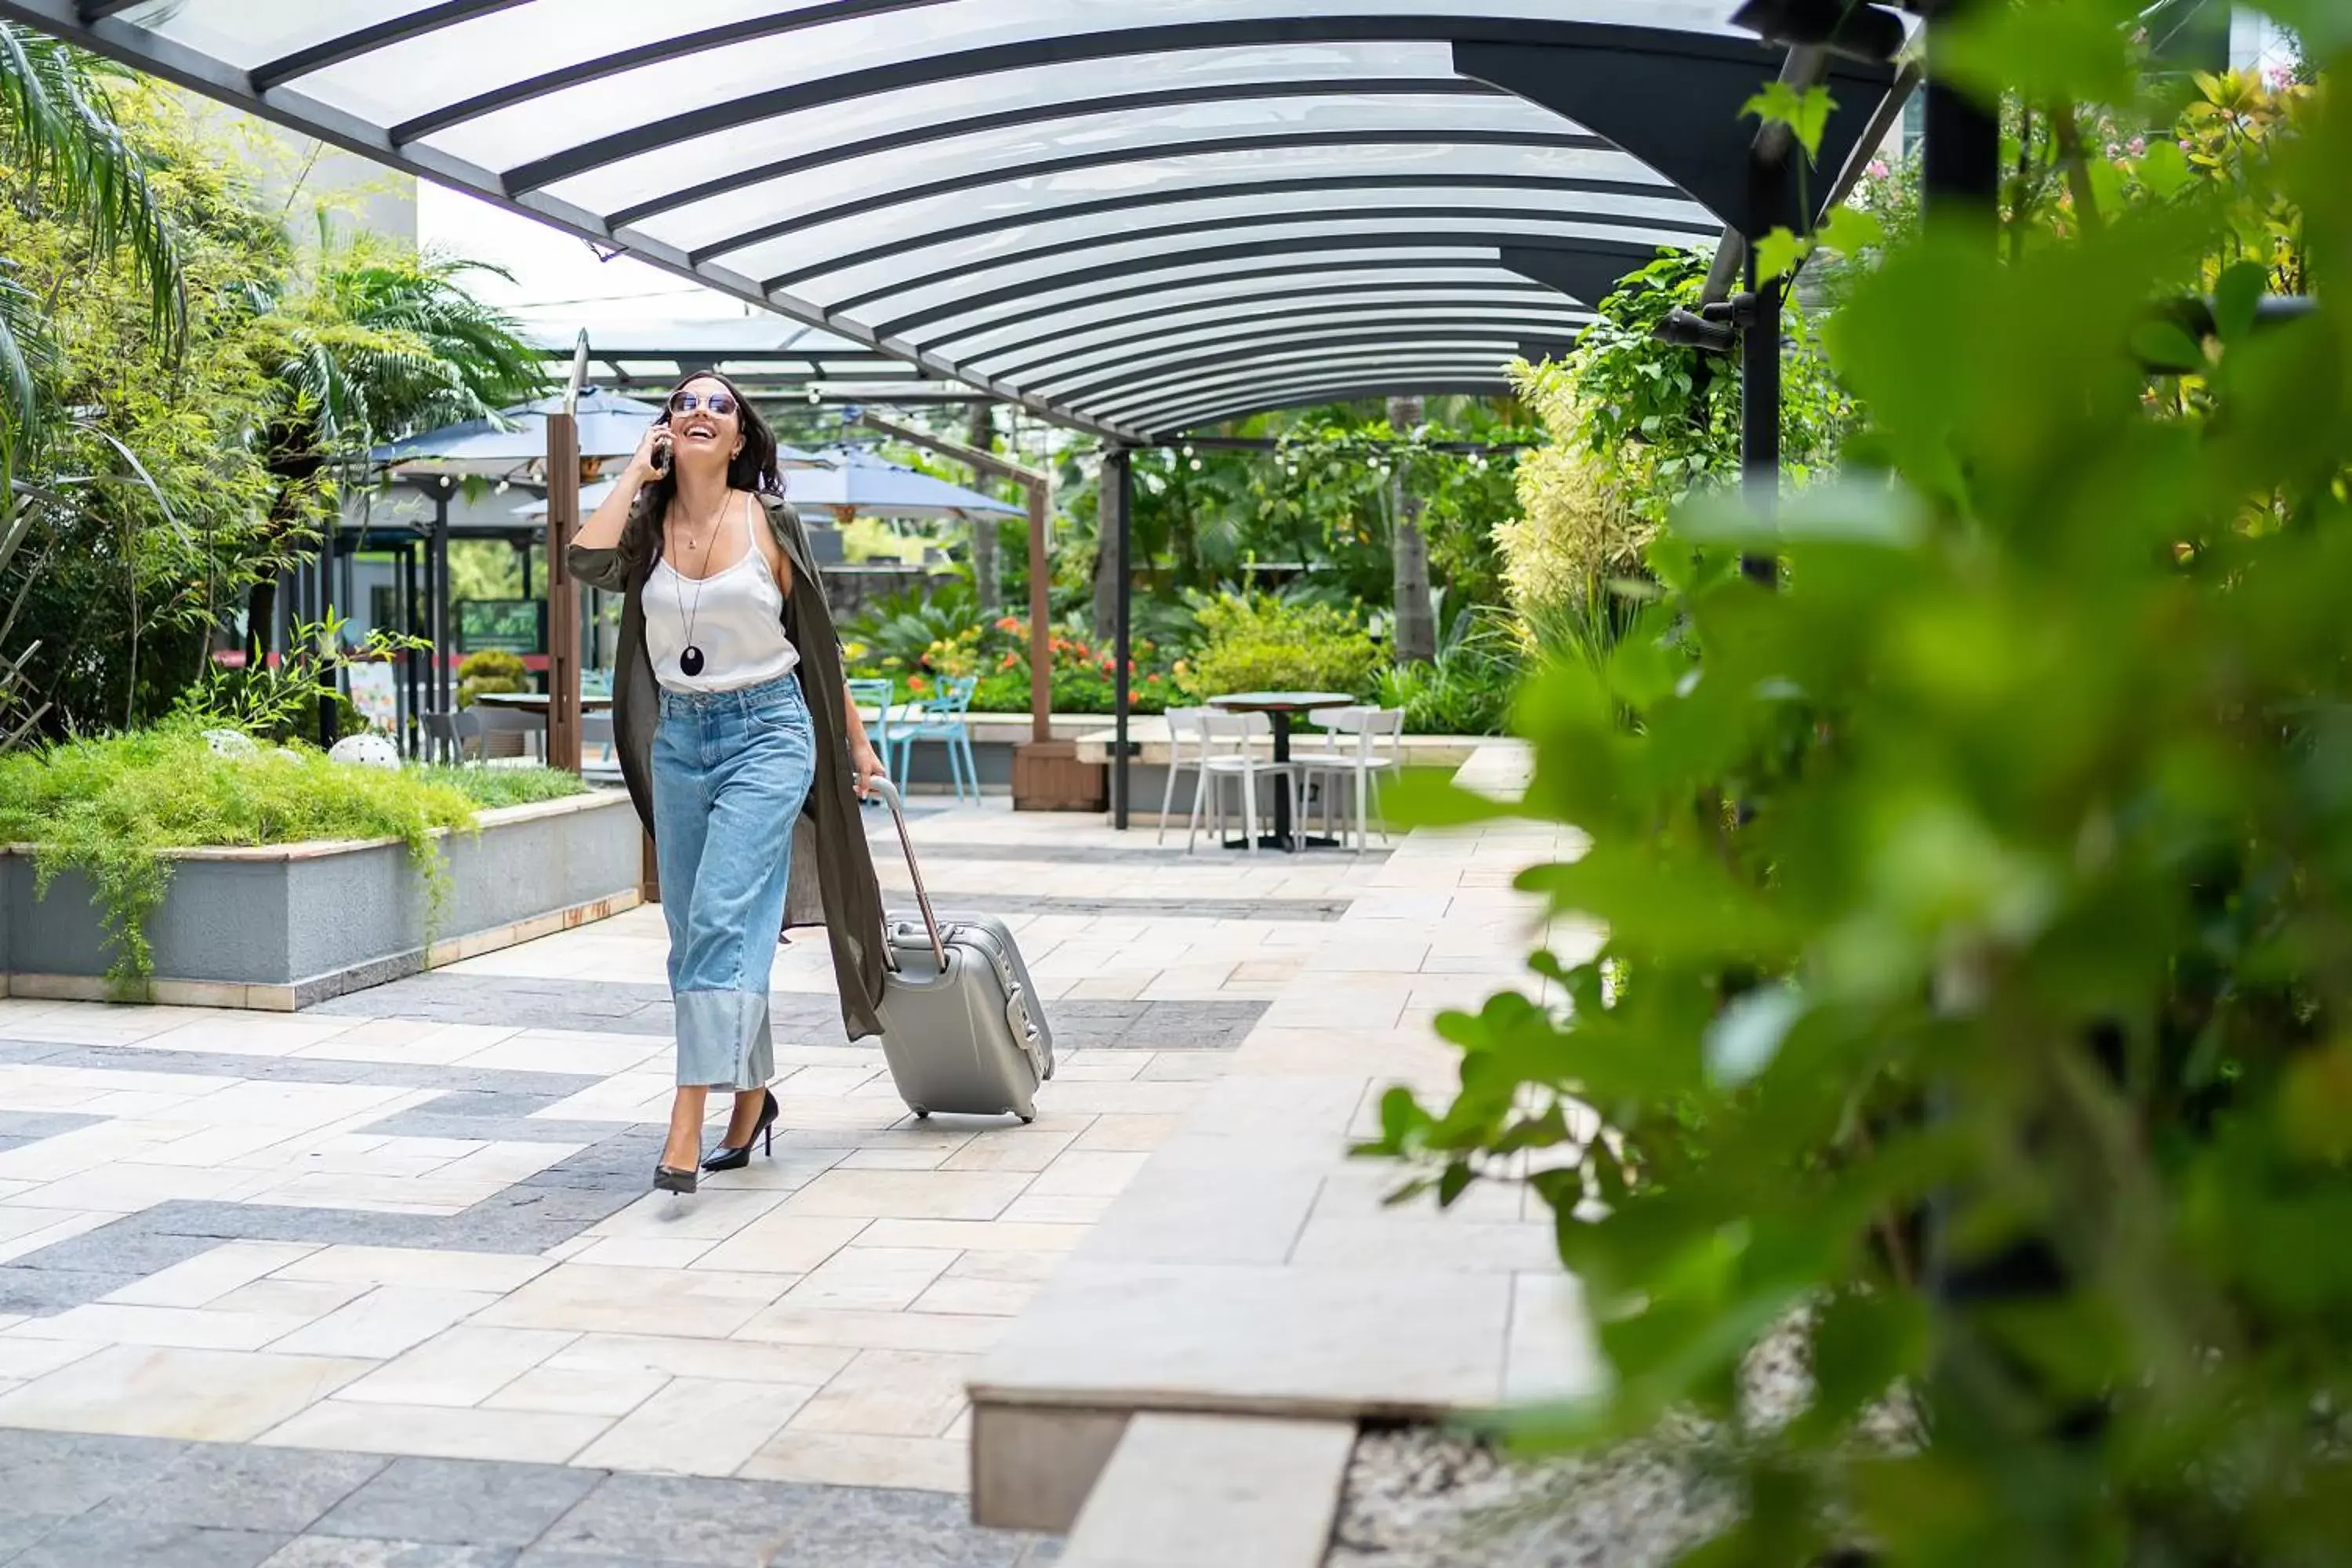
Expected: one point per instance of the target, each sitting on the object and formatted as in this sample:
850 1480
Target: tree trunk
1106 551
294 463
1416 615
984 576
260 622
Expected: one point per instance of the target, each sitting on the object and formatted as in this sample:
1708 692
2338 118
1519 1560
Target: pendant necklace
689 658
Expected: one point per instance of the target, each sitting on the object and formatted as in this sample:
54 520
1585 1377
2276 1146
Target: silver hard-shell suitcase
961 1026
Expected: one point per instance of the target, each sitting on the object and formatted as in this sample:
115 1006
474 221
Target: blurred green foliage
1981 892
1260 643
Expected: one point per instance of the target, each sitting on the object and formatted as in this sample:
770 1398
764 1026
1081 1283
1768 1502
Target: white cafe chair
1228 753
1183 731
1365 744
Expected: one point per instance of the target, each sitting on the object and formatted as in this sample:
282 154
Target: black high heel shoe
668 1179
762 1132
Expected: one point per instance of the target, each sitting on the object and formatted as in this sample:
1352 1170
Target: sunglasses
719 403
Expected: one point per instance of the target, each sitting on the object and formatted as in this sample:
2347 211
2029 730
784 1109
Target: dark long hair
753 468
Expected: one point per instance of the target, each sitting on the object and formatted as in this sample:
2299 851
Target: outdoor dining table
536 701
1281 707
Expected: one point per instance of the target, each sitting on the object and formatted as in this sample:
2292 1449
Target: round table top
1282 701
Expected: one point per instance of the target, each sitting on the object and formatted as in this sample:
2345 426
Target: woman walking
737 735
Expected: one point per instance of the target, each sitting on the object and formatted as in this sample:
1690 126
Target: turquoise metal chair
874 698
945 718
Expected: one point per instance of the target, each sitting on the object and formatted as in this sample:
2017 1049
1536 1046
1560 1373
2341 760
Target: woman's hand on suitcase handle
865 767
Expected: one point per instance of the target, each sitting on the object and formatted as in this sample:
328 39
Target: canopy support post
1120 465
437 594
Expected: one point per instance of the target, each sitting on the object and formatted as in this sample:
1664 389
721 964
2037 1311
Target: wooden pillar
562 593
1041 638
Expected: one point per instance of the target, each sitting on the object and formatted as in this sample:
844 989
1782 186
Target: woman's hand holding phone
652 459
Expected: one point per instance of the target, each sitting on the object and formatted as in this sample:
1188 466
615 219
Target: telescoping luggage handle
890 793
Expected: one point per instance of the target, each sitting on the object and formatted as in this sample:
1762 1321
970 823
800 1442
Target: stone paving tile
430 1431
18 1530
18 1128
65 1473
345 1551
121 1542
636 1519
232 1488
460 1503
207 1395
40 1292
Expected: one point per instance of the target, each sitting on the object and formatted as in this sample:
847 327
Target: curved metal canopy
1130 216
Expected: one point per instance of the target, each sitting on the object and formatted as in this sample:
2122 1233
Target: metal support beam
1120 466
411 617
437 576
1771 178
1759 414
1960 165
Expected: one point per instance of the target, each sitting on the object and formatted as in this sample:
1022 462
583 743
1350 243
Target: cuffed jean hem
731 772
724 1040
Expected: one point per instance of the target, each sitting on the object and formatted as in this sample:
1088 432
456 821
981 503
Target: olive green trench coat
833 872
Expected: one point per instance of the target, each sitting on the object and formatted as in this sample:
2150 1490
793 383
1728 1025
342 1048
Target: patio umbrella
858 481
611 425
590 497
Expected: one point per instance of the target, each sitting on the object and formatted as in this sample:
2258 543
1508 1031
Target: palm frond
56 124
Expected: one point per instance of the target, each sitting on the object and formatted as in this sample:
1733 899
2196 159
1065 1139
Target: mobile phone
661 457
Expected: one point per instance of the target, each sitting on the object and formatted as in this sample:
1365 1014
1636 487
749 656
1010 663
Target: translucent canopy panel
1100 154
1241 372
1133 341
1133 363
986 345
1065 202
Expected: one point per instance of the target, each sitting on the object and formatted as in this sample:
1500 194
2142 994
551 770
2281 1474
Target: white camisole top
735 617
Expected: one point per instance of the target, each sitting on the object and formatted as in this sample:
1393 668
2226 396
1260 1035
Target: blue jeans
731 770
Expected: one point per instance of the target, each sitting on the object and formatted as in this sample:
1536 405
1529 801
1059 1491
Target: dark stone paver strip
74 1501
461 1503
108 1540
227 1487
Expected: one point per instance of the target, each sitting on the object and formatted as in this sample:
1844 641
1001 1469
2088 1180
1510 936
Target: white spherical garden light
368 749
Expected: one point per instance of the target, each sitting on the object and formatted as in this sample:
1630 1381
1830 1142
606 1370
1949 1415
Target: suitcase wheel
1025 1121
920 1113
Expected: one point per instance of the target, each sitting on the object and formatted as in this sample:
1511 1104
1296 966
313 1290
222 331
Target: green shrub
492 669
490 788
893 635
1257 643
112 808
1467 688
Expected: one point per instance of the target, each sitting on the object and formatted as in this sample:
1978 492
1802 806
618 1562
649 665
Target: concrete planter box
283 927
